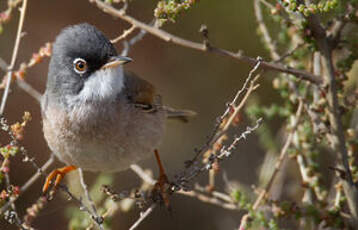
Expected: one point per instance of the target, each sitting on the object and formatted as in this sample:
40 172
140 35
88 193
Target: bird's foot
162 186
57 175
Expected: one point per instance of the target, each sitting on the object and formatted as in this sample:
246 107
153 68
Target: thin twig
14 56
209 199
95 215
265 33
290 53
125 34
98 221
127 45
202 47
143 216
221 127
244 87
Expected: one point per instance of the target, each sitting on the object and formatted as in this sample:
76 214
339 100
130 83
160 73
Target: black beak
116 61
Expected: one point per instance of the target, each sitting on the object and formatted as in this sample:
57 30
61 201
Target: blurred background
188 79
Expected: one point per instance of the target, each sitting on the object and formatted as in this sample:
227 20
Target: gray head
84 67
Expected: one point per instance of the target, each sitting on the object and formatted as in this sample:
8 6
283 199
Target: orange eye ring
80 65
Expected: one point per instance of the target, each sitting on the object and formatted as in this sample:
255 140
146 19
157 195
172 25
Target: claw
58 174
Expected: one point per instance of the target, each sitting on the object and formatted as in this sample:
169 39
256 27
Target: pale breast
103 137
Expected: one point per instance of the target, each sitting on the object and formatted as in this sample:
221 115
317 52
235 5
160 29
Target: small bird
97 116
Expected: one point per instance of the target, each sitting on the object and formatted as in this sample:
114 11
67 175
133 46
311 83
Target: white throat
104 85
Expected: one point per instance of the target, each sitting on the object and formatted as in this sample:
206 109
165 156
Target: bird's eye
80 65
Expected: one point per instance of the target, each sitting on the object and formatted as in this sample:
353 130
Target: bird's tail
182 115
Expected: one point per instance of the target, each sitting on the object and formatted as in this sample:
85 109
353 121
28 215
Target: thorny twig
221 125
189 173
180 184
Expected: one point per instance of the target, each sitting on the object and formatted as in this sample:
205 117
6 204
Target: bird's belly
103 156
111 144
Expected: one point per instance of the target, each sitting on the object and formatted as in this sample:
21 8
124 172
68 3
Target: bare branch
209 199
124 35
202 47
265 33
98 219
222 125
143 216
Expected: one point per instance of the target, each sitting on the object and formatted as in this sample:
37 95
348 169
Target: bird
95 115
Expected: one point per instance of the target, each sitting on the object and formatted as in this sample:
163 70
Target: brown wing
139 91
143 95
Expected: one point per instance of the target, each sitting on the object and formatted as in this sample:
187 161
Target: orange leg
162 183
58 174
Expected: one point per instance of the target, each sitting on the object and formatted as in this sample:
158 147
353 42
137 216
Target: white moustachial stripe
104 84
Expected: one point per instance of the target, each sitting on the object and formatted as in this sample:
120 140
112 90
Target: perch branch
97 218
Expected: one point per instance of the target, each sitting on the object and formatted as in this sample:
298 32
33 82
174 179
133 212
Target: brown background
186 79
